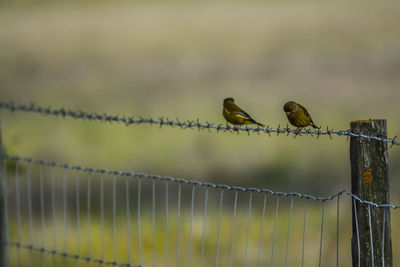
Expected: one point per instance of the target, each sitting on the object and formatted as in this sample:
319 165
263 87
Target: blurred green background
180 59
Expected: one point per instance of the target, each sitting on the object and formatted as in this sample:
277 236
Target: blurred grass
79 244
179 59
67 217
94 233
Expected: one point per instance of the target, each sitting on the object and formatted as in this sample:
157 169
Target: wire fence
190 124
59 214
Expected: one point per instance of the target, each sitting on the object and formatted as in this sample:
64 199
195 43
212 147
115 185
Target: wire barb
79 114
66 255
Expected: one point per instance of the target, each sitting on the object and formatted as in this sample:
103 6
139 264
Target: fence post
369 181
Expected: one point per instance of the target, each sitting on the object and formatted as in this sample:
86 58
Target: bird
298 116
235 115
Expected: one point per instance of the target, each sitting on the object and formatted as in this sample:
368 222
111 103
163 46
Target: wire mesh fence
58 214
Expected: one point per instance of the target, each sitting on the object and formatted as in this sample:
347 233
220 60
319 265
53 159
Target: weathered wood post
369 181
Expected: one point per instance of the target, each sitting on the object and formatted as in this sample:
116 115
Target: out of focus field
179 59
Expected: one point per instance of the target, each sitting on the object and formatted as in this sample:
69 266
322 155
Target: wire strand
191 124
66 255
43 162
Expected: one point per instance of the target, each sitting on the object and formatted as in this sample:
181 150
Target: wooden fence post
369 181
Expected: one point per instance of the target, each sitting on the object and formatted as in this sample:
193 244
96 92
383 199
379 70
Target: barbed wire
192 182
189 124
66 255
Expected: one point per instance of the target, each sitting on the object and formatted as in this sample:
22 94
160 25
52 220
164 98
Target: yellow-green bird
298 115
235 115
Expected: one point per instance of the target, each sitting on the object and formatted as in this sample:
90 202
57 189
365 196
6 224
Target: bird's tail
251 120
259 124
315 126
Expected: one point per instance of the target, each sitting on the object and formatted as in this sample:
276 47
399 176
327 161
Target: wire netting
58 214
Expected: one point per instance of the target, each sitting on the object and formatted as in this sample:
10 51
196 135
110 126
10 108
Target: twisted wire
65 254
190 181
189 124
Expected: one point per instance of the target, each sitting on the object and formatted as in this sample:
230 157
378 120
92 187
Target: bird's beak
287 113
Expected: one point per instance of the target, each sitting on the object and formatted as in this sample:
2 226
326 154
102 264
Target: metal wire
4 183
194 124
248 229
65 226
203 239
49 209
178 227
88 217
357 233
53 213
304 232
139 221
192 182
191 124
42 220
102 215
78 221
67 255
274 236
221 197
153 199
233 228
383 236
166 223
371 238
288 234
128 219
18 209
114 217
30 213
191 228
322 232
337 231
261 231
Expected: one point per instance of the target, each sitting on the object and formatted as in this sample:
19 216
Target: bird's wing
309 116
235 110
305 111
241 114
234 107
